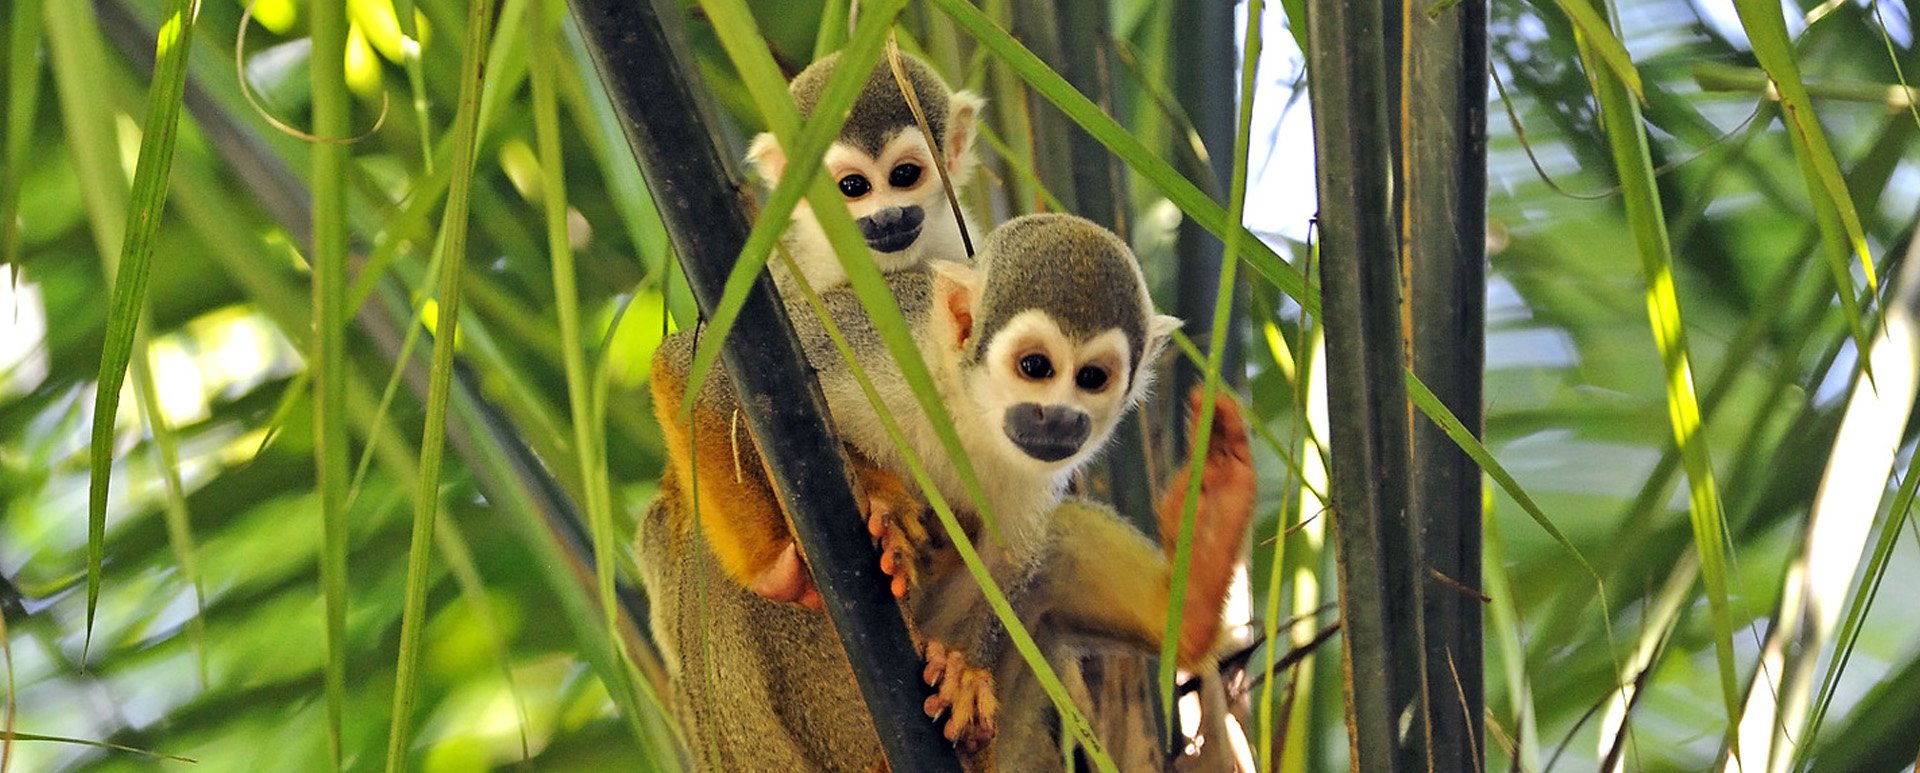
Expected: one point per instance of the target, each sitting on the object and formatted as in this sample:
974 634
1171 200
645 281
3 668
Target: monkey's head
884 166
1053 336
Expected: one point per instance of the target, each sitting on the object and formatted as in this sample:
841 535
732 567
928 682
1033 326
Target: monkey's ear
766 157
1160 329
956 289
963 119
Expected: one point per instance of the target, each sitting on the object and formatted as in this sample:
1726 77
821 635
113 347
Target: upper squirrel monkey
1037 356
883 166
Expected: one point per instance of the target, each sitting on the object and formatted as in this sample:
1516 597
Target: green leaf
453 242
136 262
1626 135
589 427
23 100
1840 228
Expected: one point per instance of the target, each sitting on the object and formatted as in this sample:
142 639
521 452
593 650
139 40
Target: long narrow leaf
136 262
23 100
1595 32
805 148
453 240
1626 136
1766 28
589 433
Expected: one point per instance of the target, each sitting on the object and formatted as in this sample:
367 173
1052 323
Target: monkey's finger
811 600
936 663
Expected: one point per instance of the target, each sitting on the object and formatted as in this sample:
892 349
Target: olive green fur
1022 261
881 110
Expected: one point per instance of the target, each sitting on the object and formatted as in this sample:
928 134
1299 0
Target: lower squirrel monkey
1037 357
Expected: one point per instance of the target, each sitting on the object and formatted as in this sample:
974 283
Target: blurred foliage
1574 387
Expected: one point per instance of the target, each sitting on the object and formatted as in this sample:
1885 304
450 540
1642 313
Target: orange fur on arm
738 512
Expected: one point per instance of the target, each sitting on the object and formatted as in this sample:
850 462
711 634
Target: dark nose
1048 433
892 229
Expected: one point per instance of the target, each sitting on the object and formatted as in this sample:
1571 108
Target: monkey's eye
1036 367
854 186
1091 378
904 175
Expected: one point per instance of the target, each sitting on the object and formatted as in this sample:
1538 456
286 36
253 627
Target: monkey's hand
1220 522
893 516
967 691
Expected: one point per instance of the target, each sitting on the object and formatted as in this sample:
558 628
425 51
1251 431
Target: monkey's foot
893 518
965 690
788 581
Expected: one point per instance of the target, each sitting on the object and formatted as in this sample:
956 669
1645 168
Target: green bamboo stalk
453 229
332 117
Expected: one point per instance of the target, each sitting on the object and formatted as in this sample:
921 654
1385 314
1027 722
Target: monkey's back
757 685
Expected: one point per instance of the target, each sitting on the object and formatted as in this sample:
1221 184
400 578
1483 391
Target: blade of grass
332 117
1141 159
833 27
1766 27
13 736
136 261
1216 347
1626 136
96 154
453 230
1504 616
589 433
740 37
12 709
23 100
1865 451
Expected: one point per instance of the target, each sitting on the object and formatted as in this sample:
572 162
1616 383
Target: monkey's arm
740 514
718 467
1107 580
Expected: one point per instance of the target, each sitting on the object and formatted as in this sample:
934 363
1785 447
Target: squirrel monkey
1038 356
883 166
